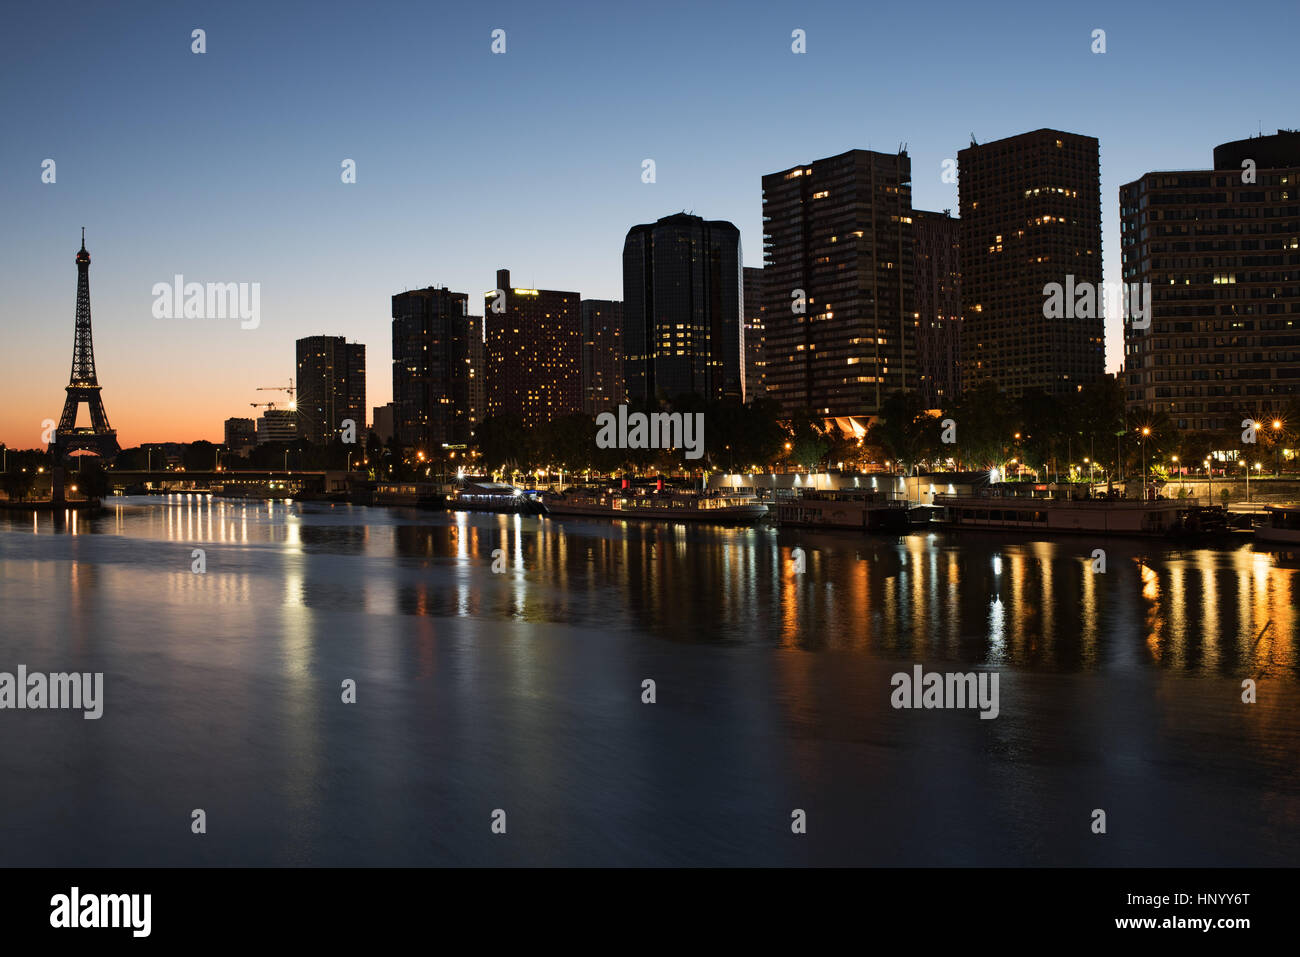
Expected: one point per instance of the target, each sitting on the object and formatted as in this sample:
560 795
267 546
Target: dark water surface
521 691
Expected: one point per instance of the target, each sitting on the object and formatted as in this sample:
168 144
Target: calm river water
519 689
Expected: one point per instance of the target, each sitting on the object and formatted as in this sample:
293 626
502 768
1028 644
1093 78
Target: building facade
837 280
755 364
683 329
331 387
432 348
241 435
277 425
382 423
475 361
1030 218
533 347
1219 248
602 355
937 281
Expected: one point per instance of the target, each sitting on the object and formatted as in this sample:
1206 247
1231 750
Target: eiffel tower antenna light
83 386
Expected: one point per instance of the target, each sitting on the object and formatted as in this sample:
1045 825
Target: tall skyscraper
1220 250
602 355
534 352
837 283
331 387
755 364
432 367
1030 218
683 332
475 362
938 306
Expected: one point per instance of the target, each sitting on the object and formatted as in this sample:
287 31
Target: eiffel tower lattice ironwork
99 438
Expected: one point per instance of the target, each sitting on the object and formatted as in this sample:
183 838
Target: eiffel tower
99 438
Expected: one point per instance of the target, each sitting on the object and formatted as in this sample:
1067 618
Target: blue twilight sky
225 167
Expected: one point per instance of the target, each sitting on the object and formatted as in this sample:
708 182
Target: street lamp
1246 466
1277 448
1180 474
1209 474
1145 432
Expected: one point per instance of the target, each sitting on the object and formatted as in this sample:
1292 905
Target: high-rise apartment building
602 355
1030 218
683 332
754 334
534 352
837 280
1221 250
331 387
432 367
475 361
937 244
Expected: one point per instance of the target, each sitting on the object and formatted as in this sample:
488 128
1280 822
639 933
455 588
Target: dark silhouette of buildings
241 435
683 332
99 437
534 352
937 245
1220 250
837 281
331 387
1030 216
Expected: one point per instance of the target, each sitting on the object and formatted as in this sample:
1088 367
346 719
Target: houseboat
1279 525
1004 509
860 510
494 497
658 505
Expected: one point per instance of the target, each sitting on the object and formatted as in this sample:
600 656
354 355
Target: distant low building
241 435
383 422
277 425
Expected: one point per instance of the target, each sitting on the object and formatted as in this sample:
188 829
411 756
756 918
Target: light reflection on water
479 688
1002 600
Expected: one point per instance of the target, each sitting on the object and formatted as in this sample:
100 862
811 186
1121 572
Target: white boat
1281 525
661 506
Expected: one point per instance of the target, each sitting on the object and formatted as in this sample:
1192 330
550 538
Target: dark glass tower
683 332
1030 217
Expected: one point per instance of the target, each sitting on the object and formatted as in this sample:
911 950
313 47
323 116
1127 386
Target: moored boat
1281 524
855 509
657 505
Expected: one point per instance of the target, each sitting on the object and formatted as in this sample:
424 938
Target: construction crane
288 389
262 405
